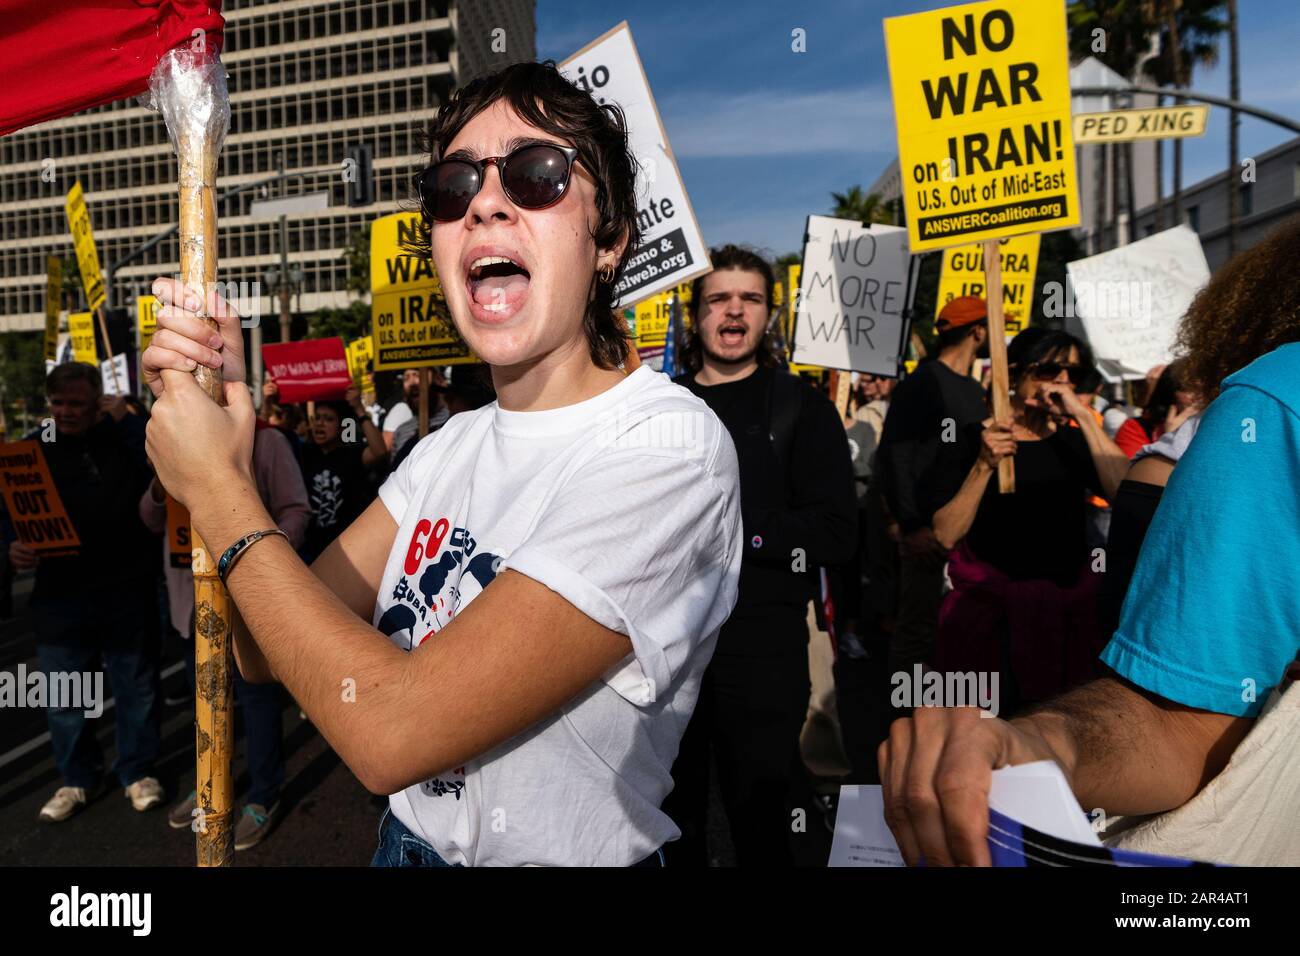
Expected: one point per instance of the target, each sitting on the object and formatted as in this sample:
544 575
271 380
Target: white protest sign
672 247
117 381
852 296
1131 299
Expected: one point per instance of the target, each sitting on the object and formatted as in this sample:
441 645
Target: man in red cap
921 467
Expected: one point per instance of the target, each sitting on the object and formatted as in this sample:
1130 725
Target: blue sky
764 135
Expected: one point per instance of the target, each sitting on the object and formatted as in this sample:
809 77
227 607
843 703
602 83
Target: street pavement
326 817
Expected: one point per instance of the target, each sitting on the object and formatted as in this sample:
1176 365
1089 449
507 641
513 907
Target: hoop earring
607 274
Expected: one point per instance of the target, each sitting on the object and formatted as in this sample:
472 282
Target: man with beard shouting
799 511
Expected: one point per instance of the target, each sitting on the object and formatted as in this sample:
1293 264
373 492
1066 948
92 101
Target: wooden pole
103 330
998 353
189 87
426 379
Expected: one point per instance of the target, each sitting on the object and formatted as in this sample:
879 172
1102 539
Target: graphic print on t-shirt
427 595
326 497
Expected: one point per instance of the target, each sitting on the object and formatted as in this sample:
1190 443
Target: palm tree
863 207
1191 31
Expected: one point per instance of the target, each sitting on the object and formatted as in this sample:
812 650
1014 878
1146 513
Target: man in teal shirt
1211 621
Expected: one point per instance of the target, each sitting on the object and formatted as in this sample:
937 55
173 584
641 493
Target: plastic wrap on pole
188 87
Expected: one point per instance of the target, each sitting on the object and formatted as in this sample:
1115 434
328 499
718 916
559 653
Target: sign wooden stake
426 380
998 353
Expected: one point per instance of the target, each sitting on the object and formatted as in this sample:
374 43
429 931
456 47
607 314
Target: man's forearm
1130 753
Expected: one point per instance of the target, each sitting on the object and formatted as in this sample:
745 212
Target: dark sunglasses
533 176
1048 371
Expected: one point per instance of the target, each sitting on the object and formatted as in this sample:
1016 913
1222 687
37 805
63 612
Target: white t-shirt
627 505
397 416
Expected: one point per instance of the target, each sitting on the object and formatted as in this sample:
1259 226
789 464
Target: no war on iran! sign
411 325
982 104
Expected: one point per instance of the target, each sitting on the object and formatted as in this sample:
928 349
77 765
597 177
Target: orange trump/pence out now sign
35 509
982 103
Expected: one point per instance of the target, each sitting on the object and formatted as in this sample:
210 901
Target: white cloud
853 120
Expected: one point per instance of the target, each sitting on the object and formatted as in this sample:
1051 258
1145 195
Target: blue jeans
398 846
77 637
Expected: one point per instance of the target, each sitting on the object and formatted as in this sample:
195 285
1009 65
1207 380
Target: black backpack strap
784 403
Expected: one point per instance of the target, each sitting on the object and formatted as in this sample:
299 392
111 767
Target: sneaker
146 793
254 825
65 802
182 815
178 697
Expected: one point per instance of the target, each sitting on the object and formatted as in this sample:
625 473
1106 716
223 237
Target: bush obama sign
982 103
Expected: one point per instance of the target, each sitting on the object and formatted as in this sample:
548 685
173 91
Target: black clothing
920 471
1038 533
1131 513
797 499
338 490
100 476
809 509
748 717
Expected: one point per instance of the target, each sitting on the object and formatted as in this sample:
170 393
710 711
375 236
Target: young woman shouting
509 642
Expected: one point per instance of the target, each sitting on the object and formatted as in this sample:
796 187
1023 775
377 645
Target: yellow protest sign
982 104
53 295
83 240
963 274
81 328
409 318
361 355
1126 126
654 313
146 319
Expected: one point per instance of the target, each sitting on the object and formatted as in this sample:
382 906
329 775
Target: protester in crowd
1193 668
99 605
466 388
1169 405
1024 591
873 401
280 487
921 466
1089 390
557 570
798 510
334 469
400 424
408 430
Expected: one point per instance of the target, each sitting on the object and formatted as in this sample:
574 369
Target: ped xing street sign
1125 126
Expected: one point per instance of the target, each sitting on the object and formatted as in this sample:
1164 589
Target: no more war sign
852 296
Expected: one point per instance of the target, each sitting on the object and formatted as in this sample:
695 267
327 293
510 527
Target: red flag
59 57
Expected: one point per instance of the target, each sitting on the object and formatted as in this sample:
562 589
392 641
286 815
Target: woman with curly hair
1265 314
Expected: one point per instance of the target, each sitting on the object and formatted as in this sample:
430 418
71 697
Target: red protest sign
312 371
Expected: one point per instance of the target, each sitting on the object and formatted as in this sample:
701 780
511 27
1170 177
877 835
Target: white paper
1035 794
672 247
117 380
862 838
1131 299
852 296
